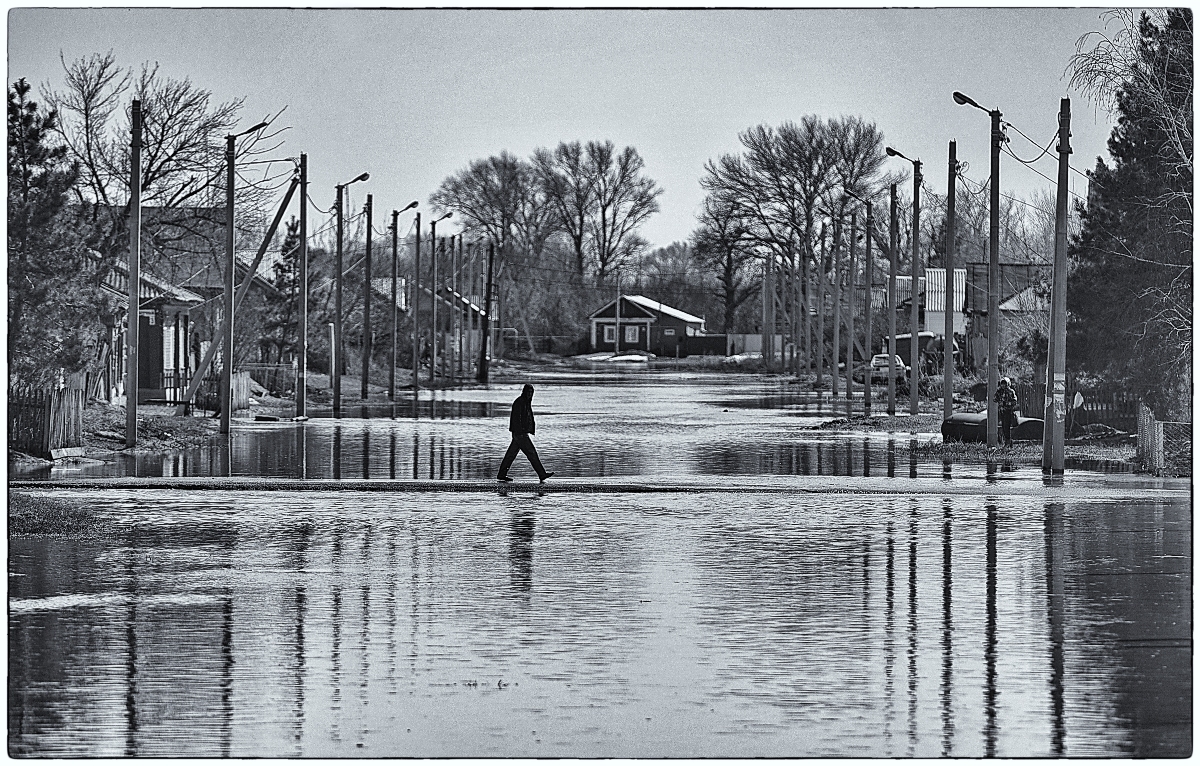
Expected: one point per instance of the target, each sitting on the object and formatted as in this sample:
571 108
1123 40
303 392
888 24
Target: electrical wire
1030 140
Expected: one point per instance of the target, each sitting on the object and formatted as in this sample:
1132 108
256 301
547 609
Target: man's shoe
503 478
547 476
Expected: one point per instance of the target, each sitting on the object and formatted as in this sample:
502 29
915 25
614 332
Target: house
164 329
645 325
932 297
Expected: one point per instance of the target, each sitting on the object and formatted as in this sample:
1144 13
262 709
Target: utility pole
1053 444
994 285
338 352
869 304
451 350
948 339
433 291
850 311
133 316
227 341
414 306
617 337
893 246
836 268
821 312
914 343
482 374
302 278
366 328
335 355
395 295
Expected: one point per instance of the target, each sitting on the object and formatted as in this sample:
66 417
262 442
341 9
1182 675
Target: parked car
879 367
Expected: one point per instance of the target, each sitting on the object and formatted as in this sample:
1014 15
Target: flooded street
817 593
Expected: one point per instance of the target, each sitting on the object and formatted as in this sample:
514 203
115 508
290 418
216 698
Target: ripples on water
302 624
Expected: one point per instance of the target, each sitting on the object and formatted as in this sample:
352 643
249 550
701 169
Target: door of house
150 352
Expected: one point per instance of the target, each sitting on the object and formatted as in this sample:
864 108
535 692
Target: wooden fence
1110 406
40 422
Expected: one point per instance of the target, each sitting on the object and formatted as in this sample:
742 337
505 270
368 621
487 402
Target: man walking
520 422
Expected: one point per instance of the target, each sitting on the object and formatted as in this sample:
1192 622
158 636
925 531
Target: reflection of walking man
520 422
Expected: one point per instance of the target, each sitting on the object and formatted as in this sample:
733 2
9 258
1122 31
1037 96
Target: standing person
520 422
1006 400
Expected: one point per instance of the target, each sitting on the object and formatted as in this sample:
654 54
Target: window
610 333
668 331
631 334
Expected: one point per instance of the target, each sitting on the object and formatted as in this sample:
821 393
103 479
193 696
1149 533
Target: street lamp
395 277
227 341
868 278
914 315
335 356
993 269
433 326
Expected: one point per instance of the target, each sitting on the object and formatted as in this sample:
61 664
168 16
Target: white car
879 367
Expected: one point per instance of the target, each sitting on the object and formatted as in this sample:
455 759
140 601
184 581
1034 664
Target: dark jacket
1006 398
520 421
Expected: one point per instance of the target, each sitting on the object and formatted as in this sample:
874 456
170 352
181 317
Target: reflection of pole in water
301 600
336 456
891 458
1052 532
866 456
989 653
431 451
392 455
912 629
131 659
335 659
888 648
947 633
912 458
366 453
390 581
416 453
226 676
866 587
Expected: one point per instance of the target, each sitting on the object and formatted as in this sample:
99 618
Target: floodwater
894 610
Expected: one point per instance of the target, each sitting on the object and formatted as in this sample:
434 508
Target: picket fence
41 421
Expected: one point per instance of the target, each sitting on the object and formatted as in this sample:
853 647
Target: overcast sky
414 95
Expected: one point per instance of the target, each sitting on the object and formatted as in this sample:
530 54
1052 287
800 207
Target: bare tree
569 186
723 249
625 198
182 151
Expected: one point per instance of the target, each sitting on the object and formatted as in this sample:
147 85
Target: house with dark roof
646 325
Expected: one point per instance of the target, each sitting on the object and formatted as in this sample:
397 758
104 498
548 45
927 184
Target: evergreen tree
54 303
280 324
1130 292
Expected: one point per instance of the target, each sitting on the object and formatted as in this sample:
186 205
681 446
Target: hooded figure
1006 401
520 423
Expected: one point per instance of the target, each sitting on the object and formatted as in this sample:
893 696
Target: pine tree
53 304
1130 292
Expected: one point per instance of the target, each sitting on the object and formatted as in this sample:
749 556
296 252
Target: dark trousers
1008 419
523 443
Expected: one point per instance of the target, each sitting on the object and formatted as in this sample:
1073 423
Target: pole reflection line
947 634
226 676
131 660
888 649
912 629
1052 533
990 728
301 601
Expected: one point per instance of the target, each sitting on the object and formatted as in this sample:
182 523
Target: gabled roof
1026 300
647 308
663 308
151 288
